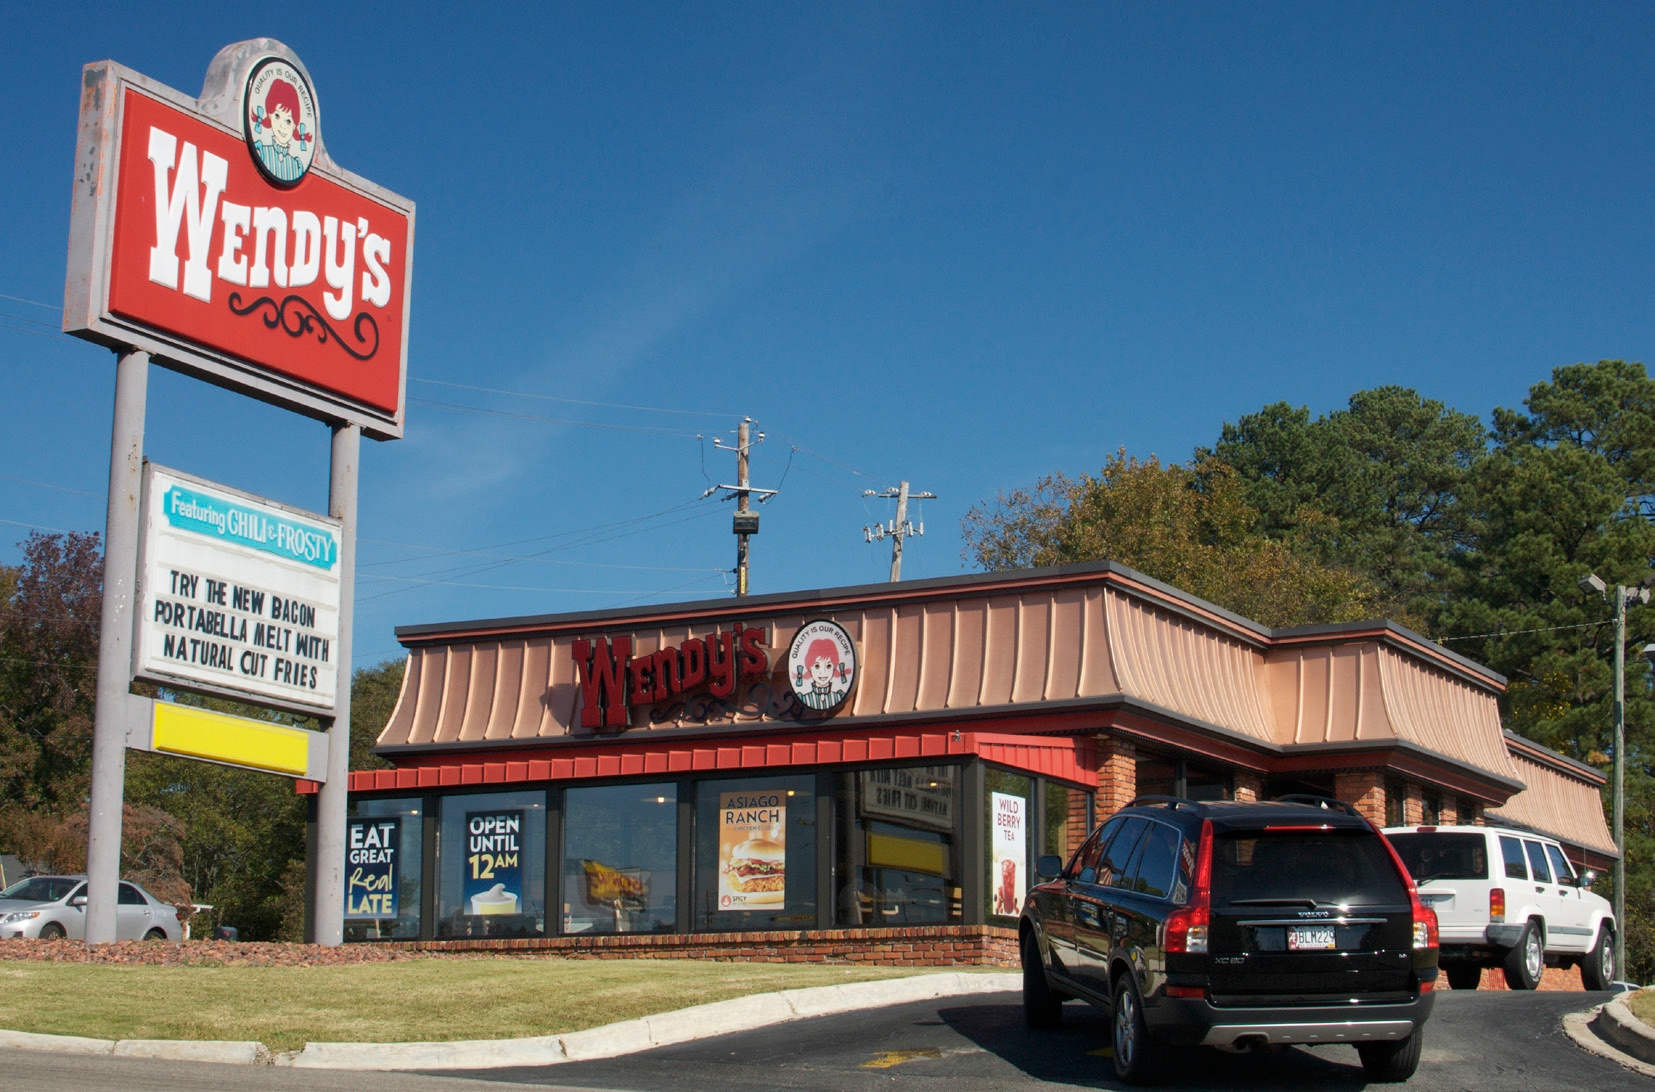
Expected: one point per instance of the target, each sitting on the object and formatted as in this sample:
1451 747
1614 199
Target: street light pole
1593 583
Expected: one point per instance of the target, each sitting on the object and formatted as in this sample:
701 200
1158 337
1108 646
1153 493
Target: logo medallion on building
821 665
279 118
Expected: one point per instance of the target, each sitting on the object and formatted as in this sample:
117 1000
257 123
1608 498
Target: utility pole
898 529
746 521
1623 595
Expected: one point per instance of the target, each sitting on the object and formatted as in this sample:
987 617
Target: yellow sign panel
218 737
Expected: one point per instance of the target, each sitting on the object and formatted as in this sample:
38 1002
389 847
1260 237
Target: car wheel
51 931
1463 976
1599 969
155 934
1526 960
1042 1008
1136 1059
1392 1061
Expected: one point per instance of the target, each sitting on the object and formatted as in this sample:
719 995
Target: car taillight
1425 925
1186 928
1497 904
1425 918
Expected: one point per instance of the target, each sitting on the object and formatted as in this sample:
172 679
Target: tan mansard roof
1072 648
1562 798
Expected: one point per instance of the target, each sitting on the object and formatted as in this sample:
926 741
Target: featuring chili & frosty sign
752 850
371 867
494 862
236 594
218 235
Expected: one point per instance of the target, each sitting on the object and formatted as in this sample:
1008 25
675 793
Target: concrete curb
629 1036
610 1041
1580 1026
242 1053
1616 1025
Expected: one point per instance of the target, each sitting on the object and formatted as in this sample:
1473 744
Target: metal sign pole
120 575
329 917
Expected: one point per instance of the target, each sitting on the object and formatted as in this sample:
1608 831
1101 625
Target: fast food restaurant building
869 773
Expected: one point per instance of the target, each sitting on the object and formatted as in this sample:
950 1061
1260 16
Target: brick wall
913 946
1365 789
1117 775
1248 786
1413 806
1077 828
1553 978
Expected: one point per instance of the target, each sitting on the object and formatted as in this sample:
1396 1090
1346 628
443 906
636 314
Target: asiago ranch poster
752 850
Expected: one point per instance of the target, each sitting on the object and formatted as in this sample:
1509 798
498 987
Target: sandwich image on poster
752 850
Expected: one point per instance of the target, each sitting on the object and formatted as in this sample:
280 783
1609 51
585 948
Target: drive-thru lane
1487 1040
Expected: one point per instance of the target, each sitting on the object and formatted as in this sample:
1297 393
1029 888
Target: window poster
493 862
1009 853
752 850
371 846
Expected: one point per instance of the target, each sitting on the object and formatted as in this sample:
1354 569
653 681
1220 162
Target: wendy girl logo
280 120
821 665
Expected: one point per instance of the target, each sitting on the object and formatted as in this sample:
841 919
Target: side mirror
1587 879
1049 867
78 902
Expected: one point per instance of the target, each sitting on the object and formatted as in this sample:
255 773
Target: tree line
192 832
1473 534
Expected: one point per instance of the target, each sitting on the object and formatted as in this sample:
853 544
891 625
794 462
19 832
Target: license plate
1309 938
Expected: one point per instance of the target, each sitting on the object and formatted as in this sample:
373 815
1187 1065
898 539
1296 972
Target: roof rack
1326 803
1173 802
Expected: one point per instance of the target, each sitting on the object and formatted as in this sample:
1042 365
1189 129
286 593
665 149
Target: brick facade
1365 789
1248 786
1117 775
912 946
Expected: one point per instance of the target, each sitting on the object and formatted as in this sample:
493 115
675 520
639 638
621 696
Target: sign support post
328 922
120 567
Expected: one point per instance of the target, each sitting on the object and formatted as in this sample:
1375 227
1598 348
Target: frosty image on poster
1010 852
752 850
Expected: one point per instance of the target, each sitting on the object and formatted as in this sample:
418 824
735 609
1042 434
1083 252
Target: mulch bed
218 953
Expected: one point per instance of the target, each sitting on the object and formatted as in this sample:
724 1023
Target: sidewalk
612 1040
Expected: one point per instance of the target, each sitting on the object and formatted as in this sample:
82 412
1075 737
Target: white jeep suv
1508 898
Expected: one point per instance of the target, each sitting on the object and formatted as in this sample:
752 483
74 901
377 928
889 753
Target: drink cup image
496 900
1008 886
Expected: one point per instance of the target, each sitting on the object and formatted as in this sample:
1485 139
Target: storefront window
382 869
1067 819
1010 812
755 853
1205 783
897 857
620 859
1157 776
1396 800
491 865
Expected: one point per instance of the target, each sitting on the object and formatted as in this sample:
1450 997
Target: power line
49 485
1514 632
552 420
567 401
35 303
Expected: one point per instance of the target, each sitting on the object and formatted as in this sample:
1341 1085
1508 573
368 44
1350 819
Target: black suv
1234 925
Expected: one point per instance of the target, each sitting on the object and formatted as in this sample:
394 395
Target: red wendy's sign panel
219 236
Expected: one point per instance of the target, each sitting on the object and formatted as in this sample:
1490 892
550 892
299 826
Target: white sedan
52 907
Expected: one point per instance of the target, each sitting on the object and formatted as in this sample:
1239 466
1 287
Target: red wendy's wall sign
611 677
219 235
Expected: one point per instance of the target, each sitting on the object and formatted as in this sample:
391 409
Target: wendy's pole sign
217 237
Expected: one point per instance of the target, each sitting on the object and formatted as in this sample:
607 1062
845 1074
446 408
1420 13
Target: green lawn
406 1001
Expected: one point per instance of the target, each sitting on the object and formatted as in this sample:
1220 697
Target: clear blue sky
960 244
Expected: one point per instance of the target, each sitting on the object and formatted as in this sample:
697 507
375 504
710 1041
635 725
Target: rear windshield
1434 856
1288 867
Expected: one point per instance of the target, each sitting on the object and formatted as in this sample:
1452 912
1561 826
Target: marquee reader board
219 236
237 595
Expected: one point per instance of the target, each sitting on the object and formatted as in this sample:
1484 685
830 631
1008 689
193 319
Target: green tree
1376 488
1188 525
48 671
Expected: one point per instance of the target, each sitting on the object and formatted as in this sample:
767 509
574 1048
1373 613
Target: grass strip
426 1000
1642 1004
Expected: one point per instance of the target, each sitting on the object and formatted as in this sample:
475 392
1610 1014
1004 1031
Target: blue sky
961 244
